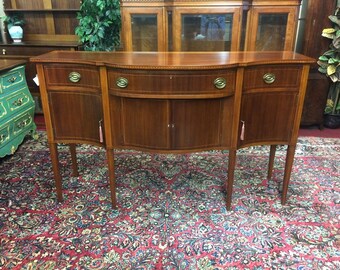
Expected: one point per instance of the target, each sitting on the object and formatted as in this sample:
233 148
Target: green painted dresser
16 106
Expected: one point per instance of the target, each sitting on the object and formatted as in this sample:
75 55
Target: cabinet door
206 28
268 117
197 124
144 29
271 29
76 116
141 123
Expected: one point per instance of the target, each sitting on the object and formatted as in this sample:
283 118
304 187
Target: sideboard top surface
172 60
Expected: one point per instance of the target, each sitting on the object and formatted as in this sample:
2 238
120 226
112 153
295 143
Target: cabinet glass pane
144 32
271 32
206 32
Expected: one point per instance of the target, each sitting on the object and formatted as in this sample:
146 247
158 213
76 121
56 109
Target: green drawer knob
269 78
220 83
74 77
122 82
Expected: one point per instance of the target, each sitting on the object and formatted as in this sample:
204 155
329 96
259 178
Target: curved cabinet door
201 123
140 123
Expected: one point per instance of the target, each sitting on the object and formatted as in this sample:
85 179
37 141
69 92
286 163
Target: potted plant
99 25
15 25
329 64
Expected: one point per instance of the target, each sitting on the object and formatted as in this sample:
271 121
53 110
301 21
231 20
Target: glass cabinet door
143 29
213 29
271 29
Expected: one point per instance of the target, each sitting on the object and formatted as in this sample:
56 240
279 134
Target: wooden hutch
49 25
183 25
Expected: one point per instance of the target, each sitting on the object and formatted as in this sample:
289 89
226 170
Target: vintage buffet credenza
173 102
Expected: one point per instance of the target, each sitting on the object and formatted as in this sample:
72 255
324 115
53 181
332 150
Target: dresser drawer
62 77
23 122
19 100
158 83
272 76
12 80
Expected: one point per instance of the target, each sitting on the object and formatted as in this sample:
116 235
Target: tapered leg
288 170
112 181
271 161
74 160
56 172
230 180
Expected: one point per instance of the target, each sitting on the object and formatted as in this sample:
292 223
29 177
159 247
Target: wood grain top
10 63
172 60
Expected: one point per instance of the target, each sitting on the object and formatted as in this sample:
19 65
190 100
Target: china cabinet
184 25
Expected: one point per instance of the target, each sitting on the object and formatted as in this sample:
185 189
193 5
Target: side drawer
172 83
63 76
272 76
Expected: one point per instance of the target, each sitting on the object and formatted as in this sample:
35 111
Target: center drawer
171 83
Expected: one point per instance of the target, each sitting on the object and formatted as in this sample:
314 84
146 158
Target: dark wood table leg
288 170
73 152
112 181
55 166
271 161
230 180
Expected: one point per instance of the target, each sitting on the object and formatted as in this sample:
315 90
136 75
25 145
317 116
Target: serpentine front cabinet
172 102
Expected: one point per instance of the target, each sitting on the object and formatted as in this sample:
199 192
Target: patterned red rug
172 212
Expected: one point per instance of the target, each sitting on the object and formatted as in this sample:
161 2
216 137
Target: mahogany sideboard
173 102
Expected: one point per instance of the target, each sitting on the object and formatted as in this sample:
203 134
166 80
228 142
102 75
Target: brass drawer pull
220 83
23 123
122 82
269 78
74 77
18 102
12 79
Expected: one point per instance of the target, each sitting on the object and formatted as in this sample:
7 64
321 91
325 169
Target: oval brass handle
269 78
220 83
74 77
122 82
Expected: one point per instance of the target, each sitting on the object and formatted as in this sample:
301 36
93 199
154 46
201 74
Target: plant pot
16 32
332 121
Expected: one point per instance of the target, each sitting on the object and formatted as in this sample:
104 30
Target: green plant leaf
328 31
334 19
331 69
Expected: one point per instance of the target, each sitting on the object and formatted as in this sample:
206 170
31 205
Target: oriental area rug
171 210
